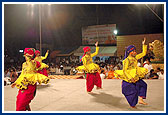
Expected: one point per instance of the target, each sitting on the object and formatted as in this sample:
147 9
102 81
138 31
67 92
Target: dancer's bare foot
133 107
98 88
142 102
89 92
28 108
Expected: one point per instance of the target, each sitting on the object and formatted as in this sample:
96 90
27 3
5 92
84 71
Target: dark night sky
61 24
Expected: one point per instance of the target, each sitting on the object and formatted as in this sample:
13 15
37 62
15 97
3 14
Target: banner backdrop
102 33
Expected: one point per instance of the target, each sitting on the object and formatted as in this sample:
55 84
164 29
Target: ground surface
71 95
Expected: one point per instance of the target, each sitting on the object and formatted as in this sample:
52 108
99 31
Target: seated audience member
7 73
6 77
158 71
52 70
111 74
102 74
139 63
161 74
153 75
148 66
13 75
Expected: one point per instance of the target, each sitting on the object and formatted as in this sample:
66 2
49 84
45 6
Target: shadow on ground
42 86
111 101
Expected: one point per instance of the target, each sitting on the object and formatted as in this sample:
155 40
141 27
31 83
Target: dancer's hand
133 80
143 42
13 85
96 44
47 51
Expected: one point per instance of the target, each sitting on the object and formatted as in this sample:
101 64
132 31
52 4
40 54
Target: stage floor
70 95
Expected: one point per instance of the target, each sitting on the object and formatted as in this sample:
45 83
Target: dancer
93 77
26 83
43 66
133 85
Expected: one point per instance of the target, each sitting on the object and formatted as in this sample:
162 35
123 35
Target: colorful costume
93 77
26 83
24 97
131 70
42 69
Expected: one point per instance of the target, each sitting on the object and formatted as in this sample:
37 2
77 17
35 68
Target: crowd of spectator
67 65
11 74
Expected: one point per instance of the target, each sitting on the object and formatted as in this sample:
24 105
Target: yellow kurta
30 76
88 65
39 59
130 68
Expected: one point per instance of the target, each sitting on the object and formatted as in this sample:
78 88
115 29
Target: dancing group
33 71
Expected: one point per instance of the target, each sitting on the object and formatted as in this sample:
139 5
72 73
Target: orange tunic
110 75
